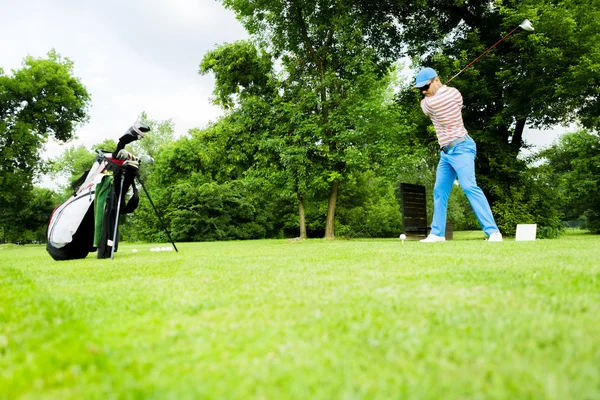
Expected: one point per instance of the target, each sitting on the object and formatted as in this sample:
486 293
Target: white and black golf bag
88 220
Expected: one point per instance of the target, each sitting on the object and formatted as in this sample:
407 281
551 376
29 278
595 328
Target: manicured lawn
278 319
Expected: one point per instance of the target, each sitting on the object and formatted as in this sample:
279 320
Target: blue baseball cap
424 76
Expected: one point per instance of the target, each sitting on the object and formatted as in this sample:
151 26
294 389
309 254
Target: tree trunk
329 225
301 214
517 140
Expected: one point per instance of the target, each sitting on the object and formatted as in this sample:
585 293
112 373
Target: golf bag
88 220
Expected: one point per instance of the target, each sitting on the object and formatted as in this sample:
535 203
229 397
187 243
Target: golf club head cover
138 129
146 159
125 155
132 163
135 132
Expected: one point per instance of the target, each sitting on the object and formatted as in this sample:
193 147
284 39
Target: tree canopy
319 128
574 173
331 54
40 100
536 79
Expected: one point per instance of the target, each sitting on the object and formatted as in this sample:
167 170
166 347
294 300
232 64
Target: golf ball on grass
161 249
403 237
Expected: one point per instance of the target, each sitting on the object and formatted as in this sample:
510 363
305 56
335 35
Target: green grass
276 319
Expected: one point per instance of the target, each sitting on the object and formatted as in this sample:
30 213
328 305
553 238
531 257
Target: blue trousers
459 162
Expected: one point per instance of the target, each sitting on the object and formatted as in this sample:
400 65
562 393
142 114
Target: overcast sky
133 56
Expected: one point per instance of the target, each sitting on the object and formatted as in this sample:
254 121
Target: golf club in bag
88 220
525 25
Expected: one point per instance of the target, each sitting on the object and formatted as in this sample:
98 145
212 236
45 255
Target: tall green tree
30 221
244 77
326 49
283 121
531 79
201 190
42 99
241 72
574 173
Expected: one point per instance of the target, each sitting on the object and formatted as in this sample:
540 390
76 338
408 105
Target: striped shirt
445 110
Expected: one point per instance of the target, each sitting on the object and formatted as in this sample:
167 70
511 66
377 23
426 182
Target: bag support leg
157 213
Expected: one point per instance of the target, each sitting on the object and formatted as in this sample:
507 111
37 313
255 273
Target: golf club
525 25
114 241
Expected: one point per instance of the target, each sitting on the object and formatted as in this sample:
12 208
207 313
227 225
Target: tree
241 72
201 190
326 50
574 164
30 221
40 100
538 79
277 126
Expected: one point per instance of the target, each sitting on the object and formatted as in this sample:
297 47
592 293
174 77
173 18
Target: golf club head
146 159
138 129
526 25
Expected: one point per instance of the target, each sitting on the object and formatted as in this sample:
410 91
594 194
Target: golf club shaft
482 54
114 244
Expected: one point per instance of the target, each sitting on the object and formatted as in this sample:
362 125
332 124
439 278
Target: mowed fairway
277 319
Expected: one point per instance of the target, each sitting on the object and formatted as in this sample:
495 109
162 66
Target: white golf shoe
433 238
495 237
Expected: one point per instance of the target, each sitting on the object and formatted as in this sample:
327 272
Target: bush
533 202
367 207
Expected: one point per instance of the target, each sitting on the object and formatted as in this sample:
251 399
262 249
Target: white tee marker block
526 232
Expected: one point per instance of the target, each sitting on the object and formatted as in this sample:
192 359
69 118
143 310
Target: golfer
443 105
